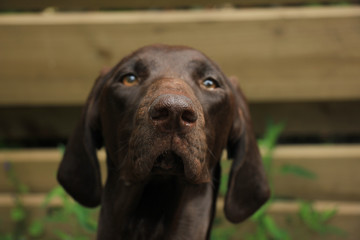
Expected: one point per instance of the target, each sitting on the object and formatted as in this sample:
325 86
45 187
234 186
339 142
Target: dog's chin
168 163
172 163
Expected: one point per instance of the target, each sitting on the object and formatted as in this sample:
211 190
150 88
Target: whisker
211 153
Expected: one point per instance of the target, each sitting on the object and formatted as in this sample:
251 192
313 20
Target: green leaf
83 216
22 188
267 160
54 193
271 135
308 216
259 214
18 214
336 231
225 171
223 184
36 228
6 237
268 143
62 235
62 148
57 216
68 205
222 233
274 230
249 237
81 238
327 215
260 234
297 171
316 220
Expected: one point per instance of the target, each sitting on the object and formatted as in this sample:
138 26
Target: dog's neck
155 208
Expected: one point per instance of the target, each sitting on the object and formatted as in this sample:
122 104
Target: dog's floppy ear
248 188
79 171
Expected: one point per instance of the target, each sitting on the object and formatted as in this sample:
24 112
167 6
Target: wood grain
336 167
301 54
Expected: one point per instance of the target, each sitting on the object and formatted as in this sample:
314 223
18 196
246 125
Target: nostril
189 116
159 113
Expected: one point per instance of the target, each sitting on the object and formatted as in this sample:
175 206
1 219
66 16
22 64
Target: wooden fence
16 5
291 54
299 65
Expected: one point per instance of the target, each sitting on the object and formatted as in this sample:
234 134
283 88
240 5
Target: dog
164 115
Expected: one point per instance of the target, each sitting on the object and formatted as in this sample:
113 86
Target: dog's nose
171 112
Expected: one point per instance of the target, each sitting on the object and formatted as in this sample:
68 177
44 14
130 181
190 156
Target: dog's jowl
164 114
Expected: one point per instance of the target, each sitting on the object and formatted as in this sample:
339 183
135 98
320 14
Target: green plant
18 213
266 227
221 230
70 211
318 221
67 213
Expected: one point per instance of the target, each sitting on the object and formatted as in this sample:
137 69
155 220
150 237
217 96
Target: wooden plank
280 206
108 4
347 217
285 214
33 166
336 168
177 16
343 208
285 54
34 210
28 200
324 120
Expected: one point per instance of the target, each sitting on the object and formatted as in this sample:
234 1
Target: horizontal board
336 168
108 4
343 208
284 213
302 54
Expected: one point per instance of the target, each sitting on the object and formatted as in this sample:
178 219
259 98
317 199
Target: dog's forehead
168 52
169 56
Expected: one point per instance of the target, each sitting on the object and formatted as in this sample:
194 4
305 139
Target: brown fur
164 137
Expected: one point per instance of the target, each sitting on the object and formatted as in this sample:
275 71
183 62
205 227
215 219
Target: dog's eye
129 80
210 84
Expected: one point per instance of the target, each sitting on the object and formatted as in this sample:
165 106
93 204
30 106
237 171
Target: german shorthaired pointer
164 114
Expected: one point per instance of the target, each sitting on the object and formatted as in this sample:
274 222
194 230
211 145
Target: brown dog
164 114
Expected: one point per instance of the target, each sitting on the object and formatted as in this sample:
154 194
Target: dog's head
166 110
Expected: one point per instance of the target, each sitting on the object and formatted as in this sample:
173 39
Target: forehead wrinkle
200 68
142 67
173 62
